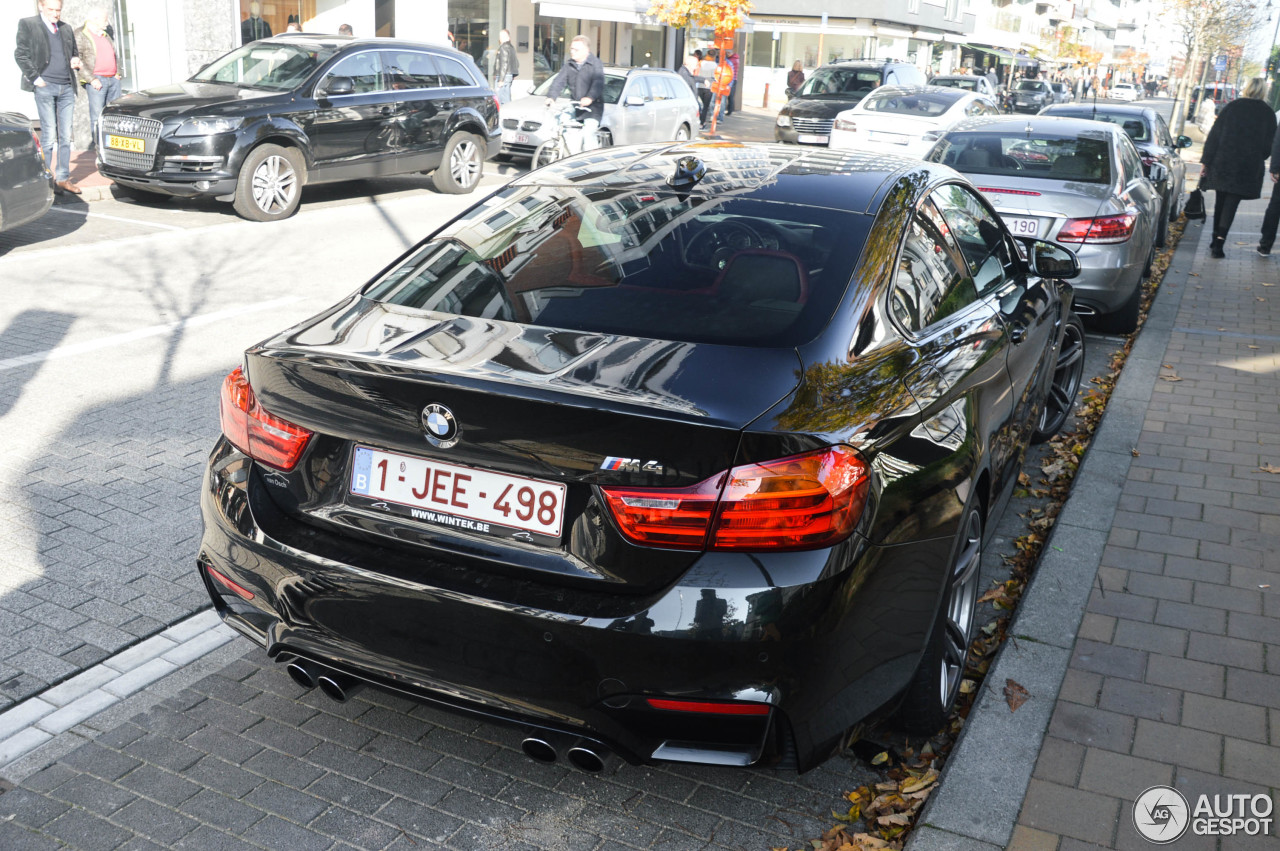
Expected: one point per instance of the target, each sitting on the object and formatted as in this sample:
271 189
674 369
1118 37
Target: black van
256 125
831 89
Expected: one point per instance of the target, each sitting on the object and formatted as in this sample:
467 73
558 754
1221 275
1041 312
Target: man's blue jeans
98 98
56 104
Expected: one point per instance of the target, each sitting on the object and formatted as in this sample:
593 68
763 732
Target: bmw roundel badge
439 426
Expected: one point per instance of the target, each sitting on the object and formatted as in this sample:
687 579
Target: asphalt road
120 321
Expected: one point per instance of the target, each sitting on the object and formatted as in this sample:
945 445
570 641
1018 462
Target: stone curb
36 720
985 780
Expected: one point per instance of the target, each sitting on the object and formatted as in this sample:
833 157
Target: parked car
1031 95
1075 182
1221 93
26 186
1125 91
906 120
977 83
1150 134
640 105
1062 93
831 89
256 125
821 371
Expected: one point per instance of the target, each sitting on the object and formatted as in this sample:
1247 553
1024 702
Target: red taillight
236 588
1006 191
497 104
1103 230
255 432
800 502
708 707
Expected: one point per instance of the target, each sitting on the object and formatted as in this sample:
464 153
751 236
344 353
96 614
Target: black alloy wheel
1067 373
936 684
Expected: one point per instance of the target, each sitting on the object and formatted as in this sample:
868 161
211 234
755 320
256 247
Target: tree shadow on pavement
21 342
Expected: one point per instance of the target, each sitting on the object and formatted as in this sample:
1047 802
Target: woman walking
1234 156
795 78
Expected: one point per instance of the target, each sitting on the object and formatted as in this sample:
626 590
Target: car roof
1060 125
960 77
848 180
1088 108
956 94
347 42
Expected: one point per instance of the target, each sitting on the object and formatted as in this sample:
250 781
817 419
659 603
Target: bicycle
557 147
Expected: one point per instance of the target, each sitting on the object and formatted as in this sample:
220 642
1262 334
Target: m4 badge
632 465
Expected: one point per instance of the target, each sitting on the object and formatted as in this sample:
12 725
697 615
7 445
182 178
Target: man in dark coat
1234 157
47 56
505 67
584 75
1271 219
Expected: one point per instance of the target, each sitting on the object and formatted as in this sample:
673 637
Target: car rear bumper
821 648
1107 277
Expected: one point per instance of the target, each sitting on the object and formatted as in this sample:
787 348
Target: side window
409 70
978 235
638 87
1129 156
890 78
1163 136
364 69
928 285
663 87
453 72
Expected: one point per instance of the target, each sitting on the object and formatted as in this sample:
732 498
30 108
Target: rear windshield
1133 125
265 65
966 83
918 104
613 84
841 81
1083 159
638 263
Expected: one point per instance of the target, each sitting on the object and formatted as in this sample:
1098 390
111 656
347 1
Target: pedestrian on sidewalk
689 73
795 77
99 66
735 62
1233 162
47 56
706 76
1271 218
505 67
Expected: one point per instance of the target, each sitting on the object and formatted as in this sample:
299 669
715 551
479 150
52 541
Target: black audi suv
256 125
684 452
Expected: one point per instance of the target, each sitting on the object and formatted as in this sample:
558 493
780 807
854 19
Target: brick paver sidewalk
1175 675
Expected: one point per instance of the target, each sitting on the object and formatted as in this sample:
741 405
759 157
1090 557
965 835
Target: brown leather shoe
68 186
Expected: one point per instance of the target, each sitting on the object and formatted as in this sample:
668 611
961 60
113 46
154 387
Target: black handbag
1195 206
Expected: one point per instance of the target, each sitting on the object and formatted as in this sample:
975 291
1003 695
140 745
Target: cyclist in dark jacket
584 76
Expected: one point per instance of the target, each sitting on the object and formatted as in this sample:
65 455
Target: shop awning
1006 57
622 11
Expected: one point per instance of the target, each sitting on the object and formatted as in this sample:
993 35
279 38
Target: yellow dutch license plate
125 143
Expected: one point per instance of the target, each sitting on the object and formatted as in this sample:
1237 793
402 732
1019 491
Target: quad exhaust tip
538 750
303 673
585 758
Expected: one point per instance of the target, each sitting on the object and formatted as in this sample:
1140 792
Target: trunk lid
556 411
1038 207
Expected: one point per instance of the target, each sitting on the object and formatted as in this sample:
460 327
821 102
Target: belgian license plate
520 139
1021 226
812 139
126 143
463 498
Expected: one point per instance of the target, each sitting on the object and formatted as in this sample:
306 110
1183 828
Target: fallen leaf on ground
883 757
1260 298
1269 468
1264 586
1265 284
1254 347
1015 695
1135 453
1174 377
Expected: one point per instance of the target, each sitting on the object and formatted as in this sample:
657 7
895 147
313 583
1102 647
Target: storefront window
272 17
475 25
551 37
647 45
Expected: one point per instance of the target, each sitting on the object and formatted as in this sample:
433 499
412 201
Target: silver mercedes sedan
1075 182
640 105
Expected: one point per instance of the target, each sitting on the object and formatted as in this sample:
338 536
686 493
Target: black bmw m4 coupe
676 452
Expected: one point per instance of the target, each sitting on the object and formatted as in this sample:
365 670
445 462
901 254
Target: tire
936 683
547 153
270 184
683 133
1125 319
1162 229
1068 370
462 165
1151 258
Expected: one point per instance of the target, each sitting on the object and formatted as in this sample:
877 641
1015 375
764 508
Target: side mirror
1050 260
634 100
338 86
790 93
1184 142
